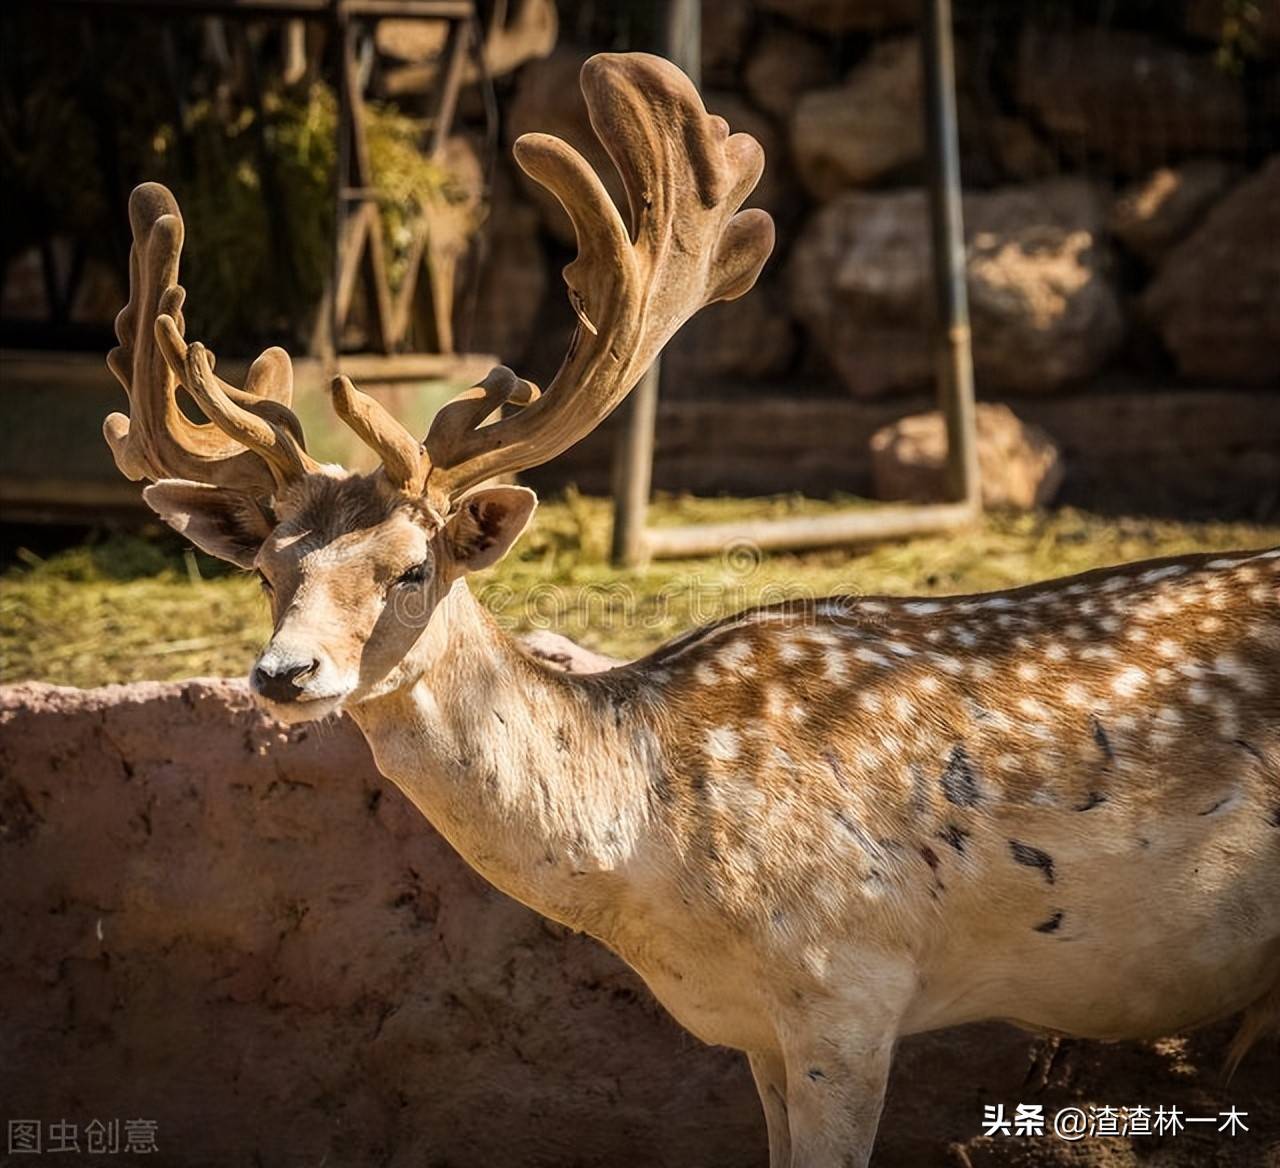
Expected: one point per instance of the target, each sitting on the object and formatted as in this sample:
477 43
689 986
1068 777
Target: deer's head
356 564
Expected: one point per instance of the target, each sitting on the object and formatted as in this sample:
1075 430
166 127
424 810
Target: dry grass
127 608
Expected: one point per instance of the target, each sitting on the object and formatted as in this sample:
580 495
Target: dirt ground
243 933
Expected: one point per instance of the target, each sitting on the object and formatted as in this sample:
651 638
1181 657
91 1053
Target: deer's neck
535 777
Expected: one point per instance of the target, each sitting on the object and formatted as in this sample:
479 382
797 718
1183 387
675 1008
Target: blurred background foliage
208 148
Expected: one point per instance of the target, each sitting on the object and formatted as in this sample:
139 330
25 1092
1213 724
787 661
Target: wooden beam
818 531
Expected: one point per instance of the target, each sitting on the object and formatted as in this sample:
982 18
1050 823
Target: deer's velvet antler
687 246
632 286
253 441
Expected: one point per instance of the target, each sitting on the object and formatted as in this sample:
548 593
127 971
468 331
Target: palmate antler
253 441
687 246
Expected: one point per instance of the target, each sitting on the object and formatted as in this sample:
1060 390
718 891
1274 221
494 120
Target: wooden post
633 449
952 336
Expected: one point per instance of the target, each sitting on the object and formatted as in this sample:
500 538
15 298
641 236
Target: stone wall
243 933
1122 178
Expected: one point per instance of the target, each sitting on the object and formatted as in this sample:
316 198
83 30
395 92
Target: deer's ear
225 523
486 523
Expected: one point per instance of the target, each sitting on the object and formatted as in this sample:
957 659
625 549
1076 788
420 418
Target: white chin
303 711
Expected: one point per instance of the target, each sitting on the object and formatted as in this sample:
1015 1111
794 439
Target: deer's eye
415 575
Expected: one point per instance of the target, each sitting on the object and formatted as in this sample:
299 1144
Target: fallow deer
810 828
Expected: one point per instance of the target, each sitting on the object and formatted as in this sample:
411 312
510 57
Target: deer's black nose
283 681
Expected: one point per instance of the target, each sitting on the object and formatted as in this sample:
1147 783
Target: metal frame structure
633 542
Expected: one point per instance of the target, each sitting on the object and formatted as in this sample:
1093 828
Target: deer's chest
708 984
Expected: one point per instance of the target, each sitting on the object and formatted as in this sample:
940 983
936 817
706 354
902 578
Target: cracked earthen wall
243 933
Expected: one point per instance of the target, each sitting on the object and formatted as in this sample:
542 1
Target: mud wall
243 933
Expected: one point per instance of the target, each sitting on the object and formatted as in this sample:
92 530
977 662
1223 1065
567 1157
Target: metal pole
633 448
952 339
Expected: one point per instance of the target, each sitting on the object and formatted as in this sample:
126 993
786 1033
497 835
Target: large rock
528 30
1043 309
726 25
1134 101
751 338
1216 298
852 134
784 65
1021 465
241 932
843 16
1157 211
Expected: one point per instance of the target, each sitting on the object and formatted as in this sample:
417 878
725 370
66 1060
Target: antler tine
253 440
685 178
402 455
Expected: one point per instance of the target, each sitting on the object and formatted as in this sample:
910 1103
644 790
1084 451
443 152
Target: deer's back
1072 784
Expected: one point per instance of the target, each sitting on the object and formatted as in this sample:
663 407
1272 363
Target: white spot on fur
904 707
870 656
791 651
735 654
722 744
1028 671
1129 681
1055 651
1169 570
870 701
1230 666
1076 695
703 674
835 666
929 684
922 607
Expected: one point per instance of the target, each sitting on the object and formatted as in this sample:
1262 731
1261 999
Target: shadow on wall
244 934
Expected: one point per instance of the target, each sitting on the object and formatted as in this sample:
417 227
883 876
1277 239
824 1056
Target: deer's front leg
835 1090
770 1073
